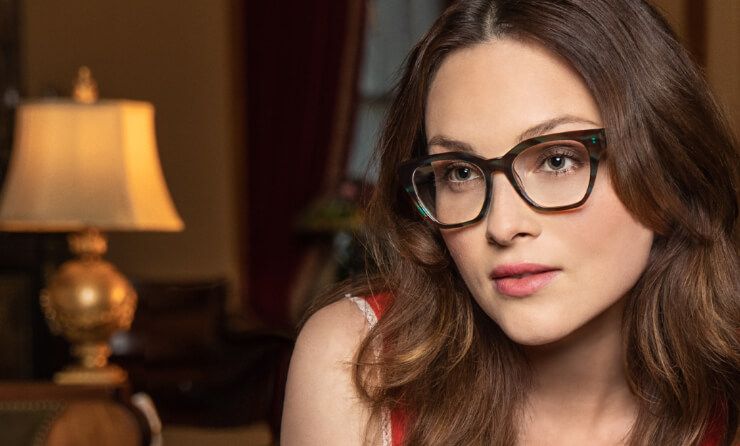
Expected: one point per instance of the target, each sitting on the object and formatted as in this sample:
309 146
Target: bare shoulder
338 327
322 406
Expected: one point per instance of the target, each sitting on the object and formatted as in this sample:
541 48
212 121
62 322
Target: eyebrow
536 130
546 126
451 144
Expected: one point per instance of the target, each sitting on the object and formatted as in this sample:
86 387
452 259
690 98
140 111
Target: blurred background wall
711 31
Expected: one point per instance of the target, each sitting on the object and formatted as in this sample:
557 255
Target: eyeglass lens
551 174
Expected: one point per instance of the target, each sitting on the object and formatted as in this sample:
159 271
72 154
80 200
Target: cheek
607 243
471 253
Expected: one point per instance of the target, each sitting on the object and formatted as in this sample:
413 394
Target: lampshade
77 165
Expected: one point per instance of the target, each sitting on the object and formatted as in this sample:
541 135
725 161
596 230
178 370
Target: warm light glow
78 165
88 296
117 295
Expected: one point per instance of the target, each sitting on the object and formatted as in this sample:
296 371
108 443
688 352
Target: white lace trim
372 319
386 420
365 308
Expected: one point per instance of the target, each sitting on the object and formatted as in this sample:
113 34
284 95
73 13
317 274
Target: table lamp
82 166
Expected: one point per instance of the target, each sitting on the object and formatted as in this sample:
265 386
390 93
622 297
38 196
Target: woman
566 272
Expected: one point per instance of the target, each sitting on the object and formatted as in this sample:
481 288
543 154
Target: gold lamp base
110 375
93 367
87 300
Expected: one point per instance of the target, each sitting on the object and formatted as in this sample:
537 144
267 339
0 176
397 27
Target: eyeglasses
552 173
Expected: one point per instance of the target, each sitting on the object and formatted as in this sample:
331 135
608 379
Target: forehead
489 94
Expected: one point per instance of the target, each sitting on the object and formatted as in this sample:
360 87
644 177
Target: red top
379 302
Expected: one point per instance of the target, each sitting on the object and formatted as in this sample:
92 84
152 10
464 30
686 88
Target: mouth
523 279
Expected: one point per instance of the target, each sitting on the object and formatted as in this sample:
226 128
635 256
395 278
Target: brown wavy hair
673 163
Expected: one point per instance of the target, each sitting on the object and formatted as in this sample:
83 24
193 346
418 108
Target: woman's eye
559 163
458 173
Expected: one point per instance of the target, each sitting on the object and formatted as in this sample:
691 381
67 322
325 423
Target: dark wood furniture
198 370
43 413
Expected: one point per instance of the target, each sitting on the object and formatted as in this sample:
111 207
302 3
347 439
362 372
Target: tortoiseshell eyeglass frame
594 140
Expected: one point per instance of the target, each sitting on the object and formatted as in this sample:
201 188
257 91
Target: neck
583 373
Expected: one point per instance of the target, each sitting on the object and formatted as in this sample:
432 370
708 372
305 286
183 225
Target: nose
509 218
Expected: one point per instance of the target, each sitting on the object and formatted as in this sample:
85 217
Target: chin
536 332
535 339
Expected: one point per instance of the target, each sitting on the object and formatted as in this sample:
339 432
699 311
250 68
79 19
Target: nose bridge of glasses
502 164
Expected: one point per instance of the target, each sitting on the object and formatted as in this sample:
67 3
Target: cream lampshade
77 165
81 166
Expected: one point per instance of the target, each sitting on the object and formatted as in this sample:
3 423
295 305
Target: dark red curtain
302 63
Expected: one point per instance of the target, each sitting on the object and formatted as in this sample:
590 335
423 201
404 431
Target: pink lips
522 279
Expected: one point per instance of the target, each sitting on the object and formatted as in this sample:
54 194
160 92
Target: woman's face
489 96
